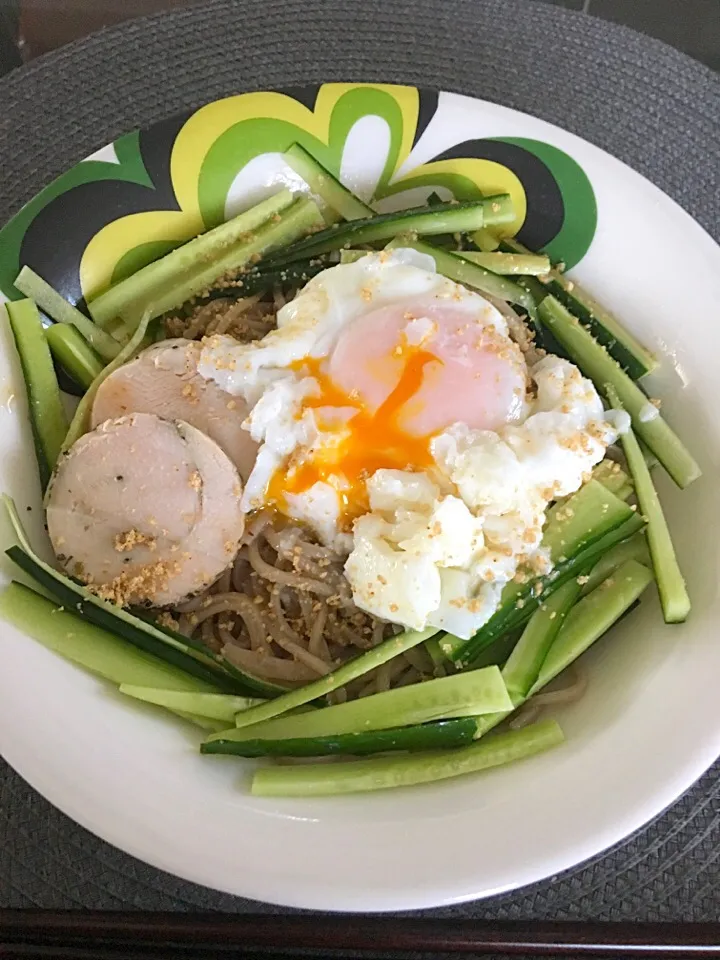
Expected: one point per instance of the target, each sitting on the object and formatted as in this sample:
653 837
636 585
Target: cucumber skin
442 735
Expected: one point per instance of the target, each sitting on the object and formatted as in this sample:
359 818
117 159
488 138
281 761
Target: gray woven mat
637 98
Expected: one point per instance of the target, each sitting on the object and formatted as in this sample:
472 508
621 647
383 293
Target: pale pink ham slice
145 510
164 380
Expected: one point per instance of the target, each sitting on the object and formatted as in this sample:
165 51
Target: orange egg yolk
385 392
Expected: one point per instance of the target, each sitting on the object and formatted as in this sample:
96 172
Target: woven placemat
643 102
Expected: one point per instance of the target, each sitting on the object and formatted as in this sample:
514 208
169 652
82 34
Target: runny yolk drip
367 441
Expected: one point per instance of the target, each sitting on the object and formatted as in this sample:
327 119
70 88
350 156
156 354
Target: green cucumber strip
456 267
575 566
74 353
597 364
463 695
585 633
349 671
612 476
134 629
635 548
379 773
47 415
205 723
58 308
87 645
81 421
531 264
448 218
301 218
486 240
523 666
325 185
263 281
674 598
632 356
352 256
134 293
583 519
164 643
151 640
592 617
214 706
441 735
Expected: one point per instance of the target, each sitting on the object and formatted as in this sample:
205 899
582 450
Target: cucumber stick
297 220
58 308
442 735
325 185
349 671
445 218
592 617
523 666
456 267
674 597
635 548
47 415
89 646
174 648
462 695
214 706
379 773
523 264
597 364
632 356
143 287
74 353
583 624
571 527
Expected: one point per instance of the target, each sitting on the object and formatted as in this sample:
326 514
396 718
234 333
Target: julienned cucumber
592 617
139 634
524 663
448 218
462 695
577 565
73 353
262 281
522 264
380 773
455 267
635 548
294 222
581 521
349 671
140 289
89 646
181 651
216 706
47 415
597 364
586 621
441 735
58 308
323 184
674 597
632 356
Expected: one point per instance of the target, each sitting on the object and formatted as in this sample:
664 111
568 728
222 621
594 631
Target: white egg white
436 546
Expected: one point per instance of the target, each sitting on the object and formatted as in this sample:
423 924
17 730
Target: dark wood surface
105 936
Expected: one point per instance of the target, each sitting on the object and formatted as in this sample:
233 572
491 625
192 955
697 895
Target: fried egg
395 416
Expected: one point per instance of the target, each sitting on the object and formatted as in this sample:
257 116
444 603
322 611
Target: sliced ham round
164 380
145 510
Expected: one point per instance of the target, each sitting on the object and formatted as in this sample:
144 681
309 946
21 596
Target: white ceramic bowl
648 726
